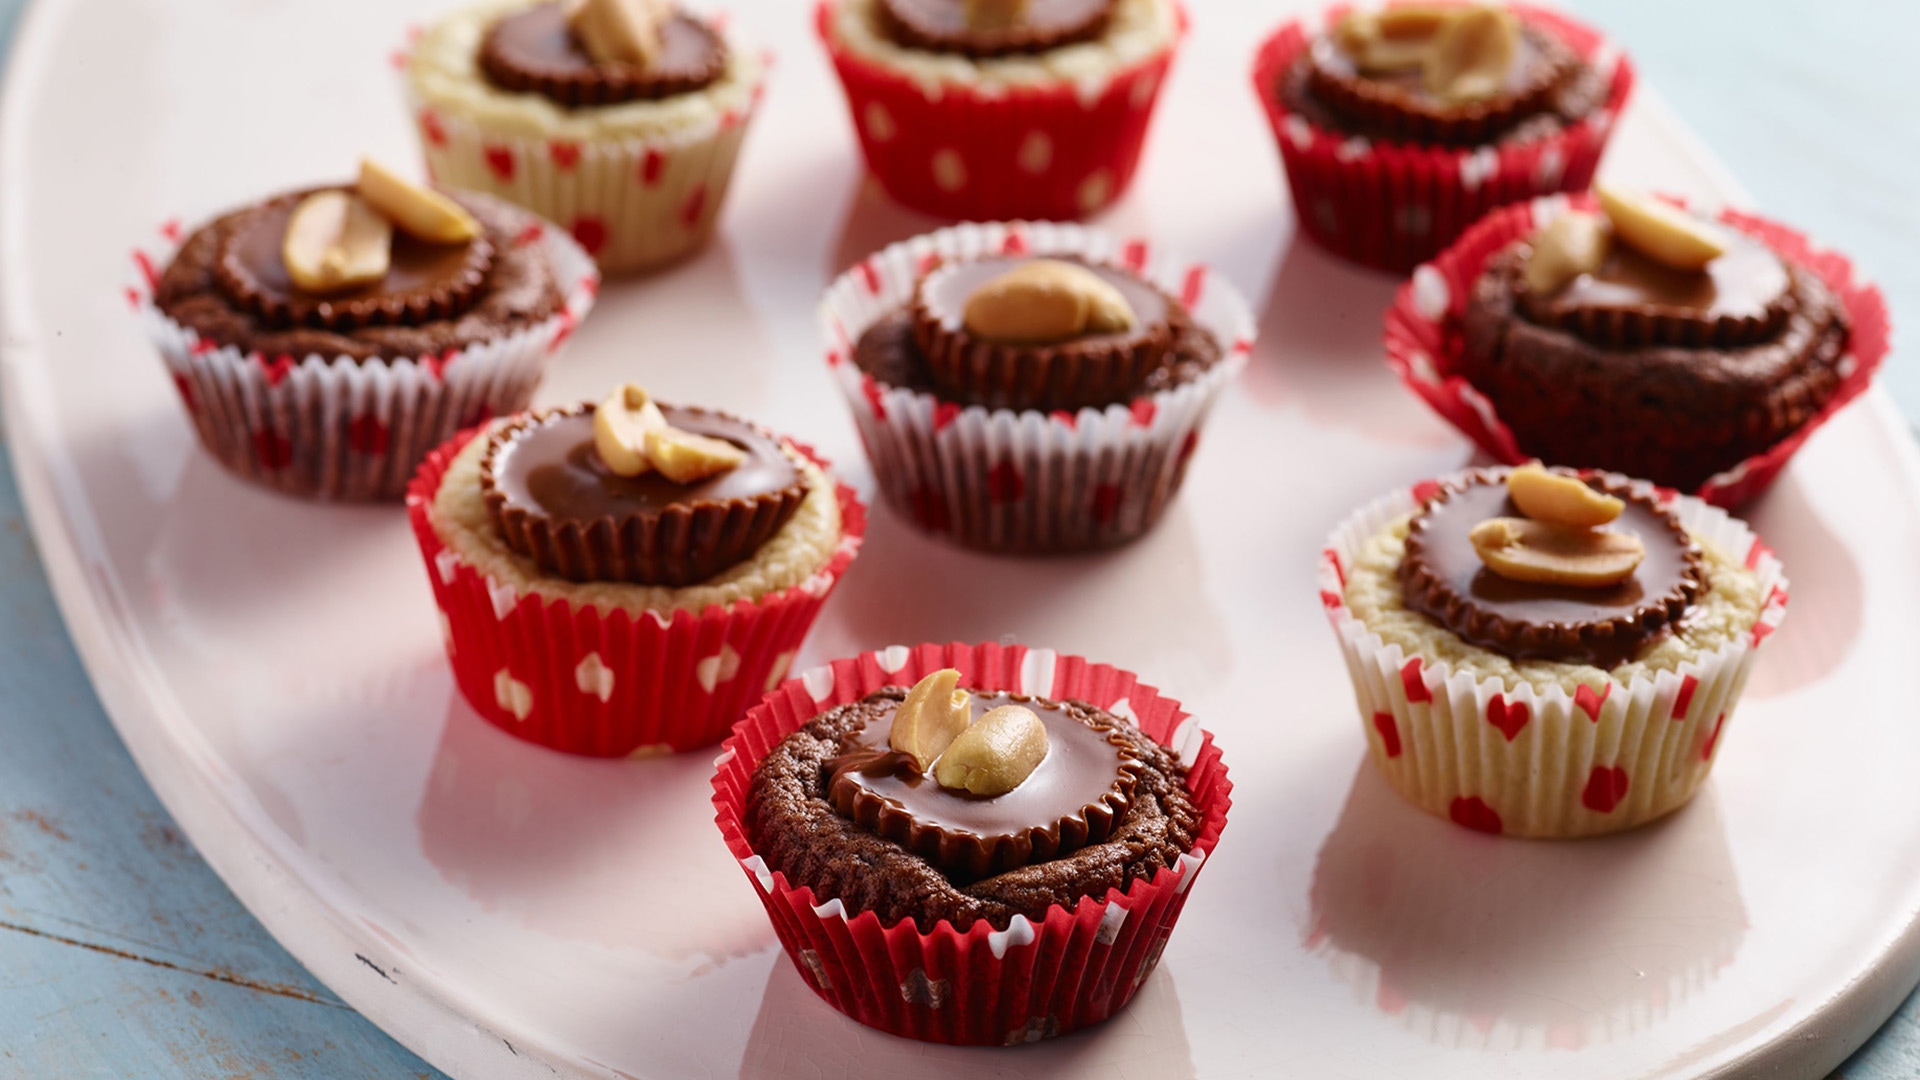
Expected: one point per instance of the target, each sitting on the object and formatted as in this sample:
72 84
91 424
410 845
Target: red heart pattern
565 155
1389 734
1589 702
367 435
944 414
1413 683
1472 812
500 162
1005 484
1509 716
1684 698
590 233
1606 786
1106 502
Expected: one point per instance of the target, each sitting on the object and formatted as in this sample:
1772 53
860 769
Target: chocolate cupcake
1001 109
1401 126
324 340
626 576
1651 341
1541 654
960 837
1031 389
619 119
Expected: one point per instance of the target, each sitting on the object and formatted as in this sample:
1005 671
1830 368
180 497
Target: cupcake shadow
909 586
1825 613
1320 350
1473 940
562 842
796 1035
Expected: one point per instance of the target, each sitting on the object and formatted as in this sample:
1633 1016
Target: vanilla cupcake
627 577
623 131
1540 655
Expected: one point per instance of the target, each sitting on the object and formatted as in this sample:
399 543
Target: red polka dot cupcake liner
1522 761
1034 979
1394 205
610 683
1424 338
633 204
1029 482
353 430
1060 151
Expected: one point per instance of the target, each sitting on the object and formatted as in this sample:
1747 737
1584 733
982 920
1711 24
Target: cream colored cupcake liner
1529 762
1026 481
339 428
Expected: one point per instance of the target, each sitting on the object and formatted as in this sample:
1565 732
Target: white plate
275 667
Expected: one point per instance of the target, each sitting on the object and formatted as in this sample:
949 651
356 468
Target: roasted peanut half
335 241
619 31
620 427
996 754
684 457
1572 244
415 210
935 712
1395 39
1548 553
1044 301
1661 231
1473 52
1560 499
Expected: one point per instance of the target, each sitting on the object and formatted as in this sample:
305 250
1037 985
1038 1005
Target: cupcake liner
608 684
1031 981
339 428
633 204
1424 343
1545 763
1061 150
1394 205
1026 481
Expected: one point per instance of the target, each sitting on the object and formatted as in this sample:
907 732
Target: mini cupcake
992 865
1400 127
324 340
1542 655
999 109
1031 388
1632 335
618 119
627 577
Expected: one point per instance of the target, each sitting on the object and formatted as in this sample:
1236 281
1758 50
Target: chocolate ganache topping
555 501
535 51
424 282
957 26
1091 370
1444 578
1073 798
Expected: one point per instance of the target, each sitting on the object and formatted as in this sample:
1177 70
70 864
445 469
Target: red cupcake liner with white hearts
984 986
1394 205
338 428
1526 761
634 204
1029 482
1059 150
614 683
1424 342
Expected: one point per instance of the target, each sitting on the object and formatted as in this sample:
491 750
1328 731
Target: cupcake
618 119
1543 654
977 845
627 577
999 109
1399 127
1031 388
1630 334
324 340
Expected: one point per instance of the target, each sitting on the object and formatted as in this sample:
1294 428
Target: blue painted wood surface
122 955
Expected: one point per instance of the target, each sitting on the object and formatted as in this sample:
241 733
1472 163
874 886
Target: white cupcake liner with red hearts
339 428
1062 149
1424 340
1524 761
1390 205
1031 980
1018 481
634 204
615 683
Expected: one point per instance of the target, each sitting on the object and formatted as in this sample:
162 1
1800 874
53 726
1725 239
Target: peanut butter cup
1740 298
985 28
555 500
535 51
1074 798
835 808
1447 579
